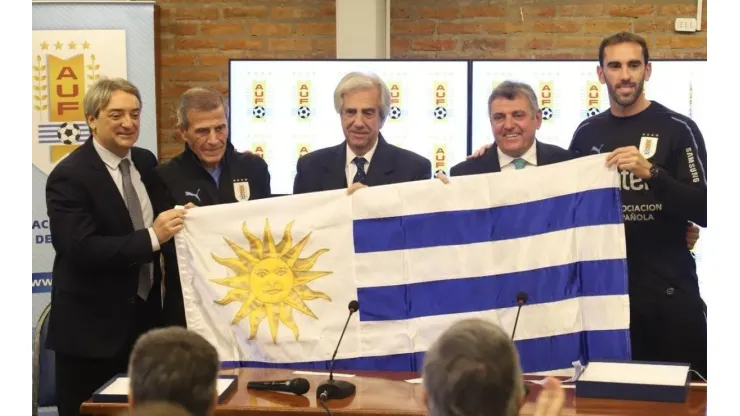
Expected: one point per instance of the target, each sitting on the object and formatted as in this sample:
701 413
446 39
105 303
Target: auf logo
596 149
194 195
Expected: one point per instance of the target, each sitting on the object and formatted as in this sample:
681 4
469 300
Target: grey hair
510 90
174 365
200 99
355 81
99 95
472 369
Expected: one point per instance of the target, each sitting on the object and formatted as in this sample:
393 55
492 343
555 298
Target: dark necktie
360 175
137 218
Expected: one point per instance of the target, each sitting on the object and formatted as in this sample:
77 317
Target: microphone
297 386
521 299
337 389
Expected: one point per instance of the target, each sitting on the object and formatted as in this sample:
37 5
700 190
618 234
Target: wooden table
388 394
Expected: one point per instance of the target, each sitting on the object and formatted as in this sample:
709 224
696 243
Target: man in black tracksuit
209 172
661 157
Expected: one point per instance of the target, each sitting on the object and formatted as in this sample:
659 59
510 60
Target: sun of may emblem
271 280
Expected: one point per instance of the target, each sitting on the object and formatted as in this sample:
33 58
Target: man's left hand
630 159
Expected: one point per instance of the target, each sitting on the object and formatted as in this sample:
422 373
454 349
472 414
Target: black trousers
670 328
77 378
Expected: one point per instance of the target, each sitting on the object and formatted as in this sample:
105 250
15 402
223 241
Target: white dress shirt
350 169
111 162
507 162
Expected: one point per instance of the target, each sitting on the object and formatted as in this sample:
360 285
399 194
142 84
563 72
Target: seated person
174 365
473 369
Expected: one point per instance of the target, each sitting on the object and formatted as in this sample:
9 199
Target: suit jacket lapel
543 156
334 176
104 187
491 164
155 189
382 163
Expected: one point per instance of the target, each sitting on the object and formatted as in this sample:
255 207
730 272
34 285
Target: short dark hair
623 37
174 365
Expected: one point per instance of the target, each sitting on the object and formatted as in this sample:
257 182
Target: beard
630 99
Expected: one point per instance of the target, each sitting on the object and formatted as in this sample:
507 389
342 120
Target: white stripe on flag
490 258
535 321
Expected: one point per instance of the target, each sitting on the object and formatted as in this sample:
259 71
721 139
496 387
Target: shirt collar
530 156
368 156
109 158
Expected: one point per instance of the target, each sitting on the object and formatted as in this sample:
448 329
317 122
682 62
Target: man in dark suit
208 172
515 118
108 224
365 157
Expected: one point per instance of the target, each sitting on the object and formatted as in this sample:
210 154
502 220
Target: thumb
354 187
442 177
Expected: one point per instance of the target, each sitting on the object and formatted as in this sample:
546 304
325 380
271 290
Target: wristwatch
655 172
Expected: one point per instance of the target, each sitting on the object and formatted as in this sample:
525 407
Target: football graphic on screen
440 113
395 112
259 111
304 112
546 113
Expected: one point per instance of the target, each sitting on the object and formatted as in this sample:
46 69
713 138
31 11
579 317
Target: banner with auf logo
65 64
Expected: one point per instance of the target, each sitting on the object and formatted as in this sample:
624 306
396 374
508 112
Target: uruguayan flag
268 282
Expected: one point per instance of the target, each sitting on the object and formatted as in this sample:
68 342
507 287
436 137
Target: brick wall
196 38
537 29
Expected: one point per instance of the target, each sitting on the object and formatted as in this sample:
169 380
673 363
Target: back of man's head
158 409
174 365
473 369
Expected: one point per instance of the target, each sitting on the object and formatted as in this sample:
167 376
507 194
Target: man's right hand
480 152
168 223
551 400
354 187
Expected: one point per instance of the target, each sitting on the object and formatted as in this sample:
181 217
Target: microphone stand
336 389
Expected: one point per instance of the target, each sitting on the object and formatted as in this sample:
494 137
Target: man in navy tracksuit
662 159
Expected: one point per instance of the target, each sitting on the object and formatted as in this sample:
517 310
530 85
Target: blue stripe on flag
539 354
549 284
447 228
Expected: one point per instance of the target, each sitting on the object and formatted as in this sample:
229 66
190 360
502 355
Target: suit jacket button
132 300
669 291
